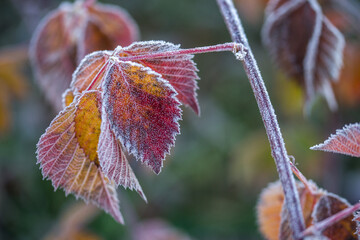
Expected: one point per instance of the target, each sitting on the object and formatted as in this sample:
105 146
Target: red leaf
113 161
67 34
66 155
180 71
345 141
305 44
142 110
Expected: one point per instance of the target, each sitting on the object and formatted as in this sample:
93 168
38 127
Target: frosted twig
237 48
277 144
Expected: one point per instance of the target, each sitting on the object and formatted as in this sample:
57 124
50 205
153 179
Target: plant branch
327 222
303 179
277 144
236 48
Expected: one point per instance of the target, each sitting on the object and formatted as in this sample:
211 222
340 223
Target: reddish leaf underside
142 109
345 141
305 45
67 34
66 154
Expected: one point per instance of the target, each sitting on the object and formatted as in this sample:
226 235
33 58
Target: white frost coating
323 58
338 45
124 135
152 46
113 161
240 53
267 112
310 59
345 141
328 93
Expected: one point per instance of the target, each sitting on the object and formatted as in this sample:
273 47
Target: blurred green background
209 186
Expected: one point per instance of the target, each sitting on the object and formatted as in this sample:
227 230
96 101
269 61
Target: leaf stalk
236 48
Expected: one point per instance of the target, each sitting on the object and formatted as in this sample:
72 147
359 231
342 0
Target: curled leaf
67 155
305 45
345 141
67 34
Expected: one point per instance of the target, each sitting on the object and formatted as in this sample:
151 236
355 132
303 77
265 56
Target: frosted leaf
179 70
305 45
143 111
90 72
66 155
70 32
345 141
113 160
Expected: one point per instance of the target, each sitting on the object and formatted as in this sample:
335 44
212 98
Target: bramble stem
327 222
234 47
277 144
302 179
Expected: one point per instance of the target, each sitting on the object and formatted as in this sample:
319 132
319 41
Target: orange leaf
269 209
